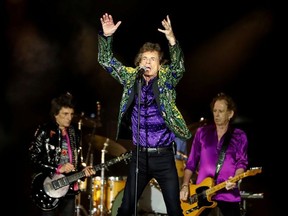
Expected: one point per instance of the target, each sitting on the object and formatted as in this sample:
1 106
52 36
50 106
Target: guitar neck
223 184
66 180
76 176
234 179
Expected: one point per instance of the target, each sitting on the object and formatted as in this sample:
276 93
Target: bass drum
115 185
150 202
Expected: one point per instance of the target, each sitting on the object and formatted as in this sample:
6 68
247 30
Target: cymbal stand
91 189
90 186
78 206
103 151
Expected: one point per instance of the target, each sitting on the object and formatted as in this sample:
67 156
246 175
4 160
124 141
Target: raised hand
168 30
108 25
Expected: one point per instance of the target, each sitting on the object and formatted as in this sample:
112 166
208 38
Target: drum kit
99 191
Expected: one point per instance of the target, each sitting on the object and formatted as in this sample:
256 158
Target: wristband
185 185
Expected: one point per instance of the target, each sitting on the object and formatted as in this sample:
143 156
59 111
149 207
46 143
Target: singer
56 151
148 115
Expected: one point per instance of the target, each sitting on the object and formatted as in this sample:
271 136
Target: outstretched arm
166 23
108 26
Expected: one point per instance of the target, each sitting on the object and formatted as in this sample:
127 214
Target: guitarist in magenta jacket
55 152
203 157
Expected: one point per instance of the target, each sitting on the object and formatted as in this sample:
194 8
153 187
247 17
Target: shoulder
46 128
240 134
207 128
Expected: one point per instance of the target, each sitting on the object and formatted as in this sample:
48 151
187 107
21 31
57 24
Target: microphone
141 71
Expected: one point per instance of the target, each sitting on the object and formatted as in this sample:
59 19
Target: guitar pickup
192 209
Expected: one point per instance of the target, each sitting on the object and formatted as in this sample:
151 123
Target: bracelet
185 185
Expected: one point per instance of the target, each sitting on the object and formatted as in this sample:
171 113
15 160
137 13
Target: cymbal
85 121
113 148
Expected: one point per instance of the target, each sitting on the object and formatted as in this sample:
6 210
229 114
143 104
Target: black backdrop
49 47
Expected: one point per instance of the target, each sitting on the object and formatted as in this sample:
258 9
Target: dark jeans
160 166
66 207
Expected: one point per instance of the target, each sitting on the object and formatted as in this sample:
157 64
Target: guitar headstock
254 171
125 156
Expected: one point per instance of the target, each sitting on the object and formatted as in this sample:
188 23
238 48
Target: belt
156 149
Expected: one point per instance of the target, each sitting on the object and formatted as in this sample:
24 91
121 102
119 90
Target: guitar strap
223 151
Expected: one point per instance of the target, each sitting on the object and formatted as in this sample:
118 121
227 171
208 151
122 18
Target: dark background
49 47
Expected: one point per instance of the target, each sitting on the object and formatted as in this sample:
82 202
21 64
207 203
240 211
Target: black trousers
66 207
160 166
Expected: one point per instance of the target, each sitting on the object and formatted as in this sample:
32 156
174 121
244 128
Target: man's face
221 113
150 60
64 117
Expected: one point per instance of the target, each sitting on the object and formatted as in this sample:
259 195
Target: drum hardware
113 148
102 207
86 121
90 197
79 208
247 195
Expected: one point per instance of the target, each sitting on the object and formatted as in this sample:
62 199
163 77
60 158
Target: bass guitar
201 194
46 192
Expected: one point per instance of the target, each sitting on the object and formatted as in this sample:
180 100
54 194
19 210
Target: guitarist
204 154
56 150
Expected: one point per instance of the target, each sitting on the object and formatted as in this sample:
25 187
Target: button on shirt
153 129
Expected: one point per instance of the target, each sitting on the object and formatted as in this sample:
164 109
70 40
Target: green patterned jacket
164 88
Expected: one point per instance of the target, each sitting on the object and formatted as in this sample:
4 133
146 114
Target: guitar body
198 200
46 192
200 196
39 195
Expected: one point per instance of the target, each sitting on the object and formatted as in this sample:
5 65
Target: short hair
231 105
64 100
148 47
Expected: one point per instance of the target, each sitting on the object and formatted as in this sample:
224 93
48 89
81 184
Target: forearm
187 177
172 41
177 60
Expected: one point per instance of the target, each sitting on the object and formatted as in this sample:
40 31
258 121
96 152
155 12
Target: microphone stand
103 151
139 80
